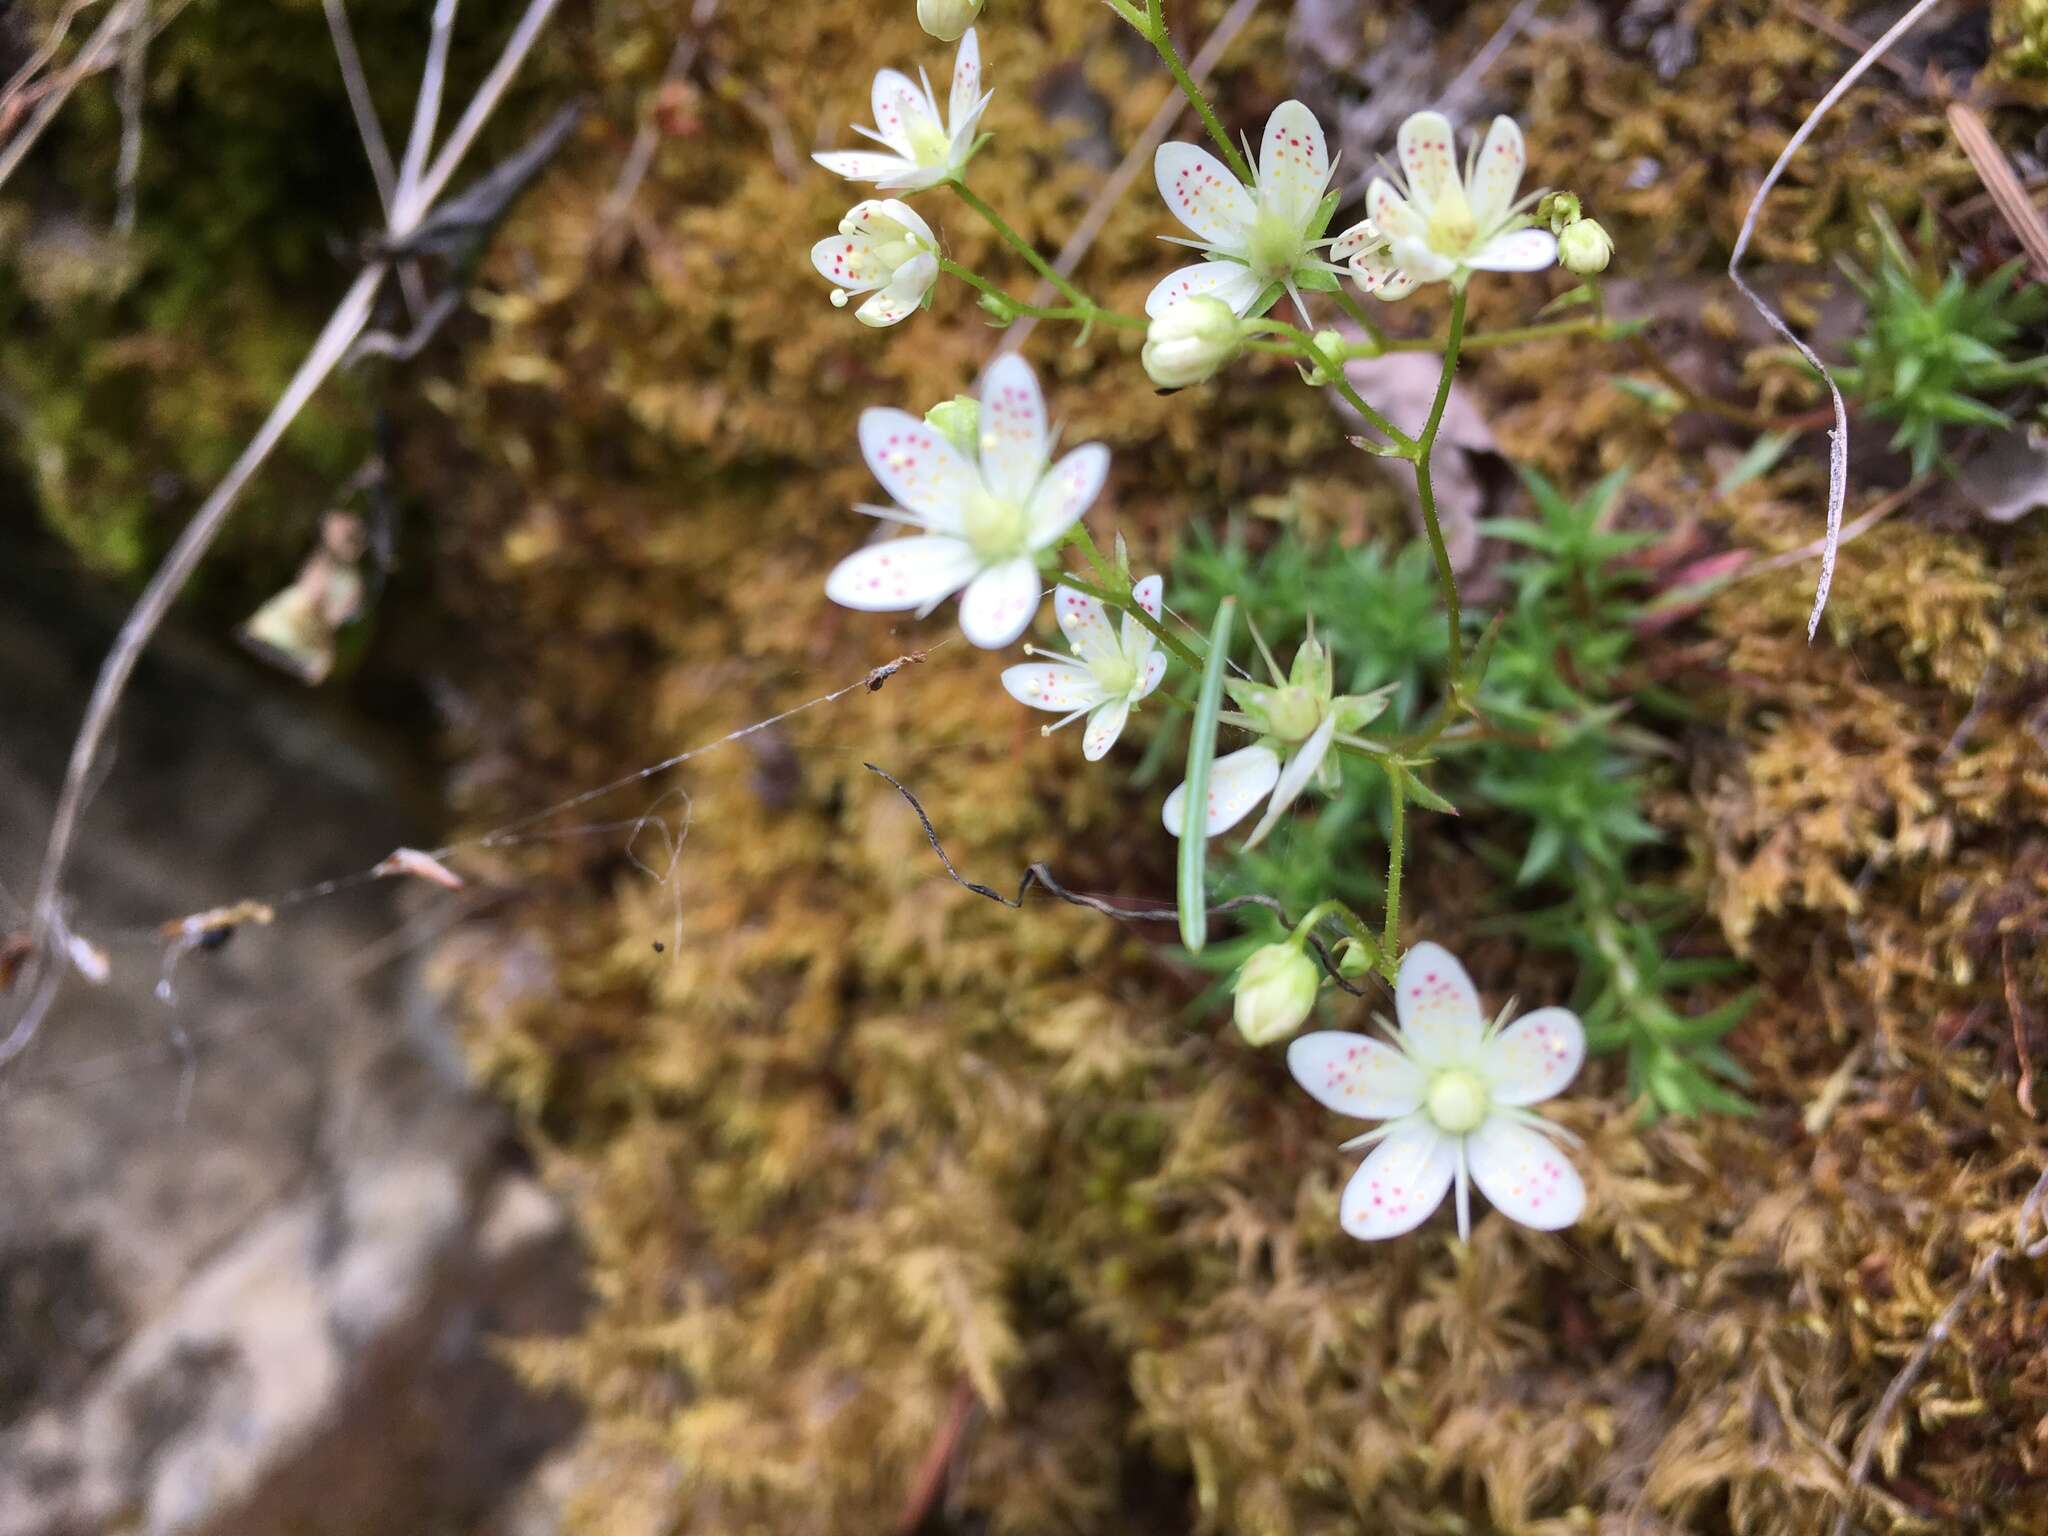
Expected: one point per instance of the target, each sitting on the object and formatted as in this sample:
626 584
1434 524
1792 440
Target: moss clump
864 1147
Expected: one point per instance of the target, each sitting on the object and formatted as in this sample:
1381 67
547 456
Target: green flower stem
1299 344
1123 604
1315 915
1390 947
1105 573
1086 313
1024 248
1584 325
1426 493
1358 312
1153 29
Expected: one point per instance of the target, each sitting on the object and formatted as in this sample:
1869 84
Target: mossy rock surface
868 1165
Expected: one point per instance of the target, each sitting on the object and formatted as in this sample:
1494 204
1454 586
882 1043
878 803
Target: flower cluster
987 505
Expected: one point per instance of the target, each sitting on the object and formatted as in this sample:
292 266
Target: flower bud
959 419
1353 960
1189 340
1584 248
1558 211
1275 992
947 19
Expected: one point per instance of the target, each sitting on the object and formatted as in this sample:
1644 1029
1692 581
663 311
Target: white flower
982 519
881 244
1453 1092
947 19
1114 673
924 148
1446 227
1298 719
1259 235
1190 339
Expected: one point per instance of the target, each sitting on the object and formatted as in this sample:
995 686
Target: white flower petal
1084 623
1104 726
1392 214
1203 194
966 81
916 178
1374 272
1237 782
1525 1175
901 573
1534 1057
1429 159
1360 237
1230 281
1438 1008
1136 639
1012 429
1151 677
1064 494
1420 260
850 261
1404 1180
1294 164
1301 767
878 217
894 303
864 164
1357 1075
1497 174
1519 250
1057 686
1395 285
897 103
918 465
999 603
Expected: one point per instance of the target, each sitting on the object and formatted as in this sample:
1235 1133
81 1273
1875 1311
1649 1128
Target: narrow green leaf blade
1194 831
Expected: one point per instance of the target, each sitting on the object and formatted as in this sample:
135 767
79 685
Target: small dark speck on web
660 948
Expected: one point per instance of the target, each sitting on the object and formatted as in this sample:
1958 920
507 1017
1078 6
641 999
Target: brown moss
864 1139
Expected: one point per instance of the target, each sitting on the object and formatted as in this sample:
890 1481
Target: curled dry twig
1838 435
1039 876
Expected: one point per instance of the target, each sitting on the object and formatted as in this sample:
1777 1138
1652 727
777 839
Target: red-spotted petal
1525 1175
1438 1008
1237 782
1232 282
998 604
1104 726
966 81
1083 622
1357 1075
1429 158
1058 687
1203 194
1068 490
918 465
901 573
1148 594
1012 428
1497 174
1535 1057
1520 250
1397 1187
1294 164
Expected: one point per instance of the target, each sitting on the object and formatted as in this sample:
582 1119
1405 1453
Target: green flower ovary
1457 1101
994 528
1274 247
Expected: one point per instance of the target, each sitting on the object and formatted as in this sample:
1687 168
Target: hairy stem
1023 247
1087 313
1155 33
1390 946
1425 492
